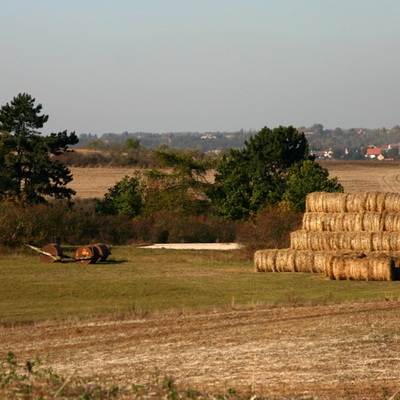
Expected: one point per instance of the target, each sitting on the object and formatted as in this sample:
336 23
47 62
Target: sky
162 66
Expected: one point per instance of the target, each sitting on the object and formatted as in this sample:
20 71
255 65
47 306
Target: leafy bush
270 229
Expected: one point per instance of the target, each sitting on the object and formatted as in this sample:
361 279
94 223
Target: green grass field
137 281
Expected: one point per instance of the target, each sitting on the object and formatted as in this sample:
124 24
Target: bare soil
355 176
349 351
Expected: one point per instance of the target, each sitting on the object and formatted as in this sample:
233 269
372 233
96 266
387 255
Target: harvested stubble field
355 176
348 351
213 325
347 348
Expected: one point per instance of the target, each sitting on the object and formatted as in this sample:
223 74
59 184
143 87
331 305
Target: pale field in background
355 176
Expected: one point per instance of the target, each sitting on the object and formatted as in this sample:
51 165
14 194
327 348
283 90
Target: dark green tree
28 173
306 177
254 177
124 198
178 184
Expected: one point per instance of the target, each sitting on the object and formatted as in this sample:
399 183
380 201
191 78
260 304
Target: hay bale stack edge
353 236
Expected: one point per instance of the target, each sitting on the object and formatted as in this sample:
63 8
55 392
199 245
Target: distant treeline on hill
341 143
208 141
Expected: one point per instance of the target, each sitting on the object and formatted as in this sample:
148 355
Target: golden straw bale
394 240
356 202
258 261
304 261
380 241
359 241
299 240
372 267
320 260
338 268
381 268
392 202
391 221
348 267
375 201
313 221
352 222
372 221
334 241
356 268
285 260
326 202
265 260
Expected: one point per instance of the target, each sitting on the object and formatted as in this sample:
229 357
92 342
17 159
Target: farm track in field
355 176
321 352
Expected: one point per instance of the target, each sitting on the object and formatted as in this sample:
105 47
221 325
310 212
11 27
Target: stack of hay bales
345 235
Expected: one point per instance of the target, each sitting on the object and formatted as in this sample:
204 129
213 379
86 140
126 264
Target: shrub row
79 224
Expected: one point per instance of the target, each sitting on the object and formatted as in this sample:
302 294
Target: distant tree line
343 143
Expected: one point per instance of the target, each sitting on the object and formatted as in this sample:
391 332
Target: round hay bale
304 261
338 270
352 222
285 260
326 202
381 268
394 240
87 255
299 240
360 241
372 221
321 258
356 202
356 268
265 260
391 222
392 202
313 221
375 201
380 241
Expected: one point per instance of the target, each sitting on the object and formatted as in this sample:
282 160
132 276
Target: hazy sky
203 65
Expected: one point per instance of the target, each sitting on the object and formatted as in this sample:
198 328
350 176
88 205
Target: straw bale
391 221
392 202
333 241
386 241
372 221
380 241
375 201
379 267
314 221
326 202
265 260
289 260
285 260
356 202
351 222
304 261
